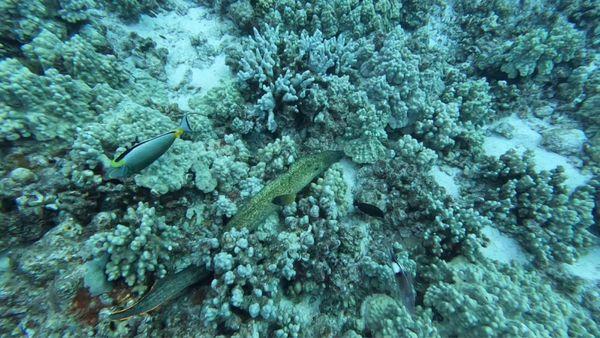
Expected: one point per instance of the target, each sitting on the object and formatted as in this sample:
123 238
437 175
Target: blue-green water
465 204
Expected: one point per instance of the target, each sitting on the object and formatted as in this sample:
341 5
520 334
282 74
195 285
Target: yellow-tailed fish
143 154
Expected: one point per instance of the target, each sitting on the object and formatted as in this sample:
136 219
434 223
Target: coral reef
494 298
535 207
132 250
385 317
273 234
131 10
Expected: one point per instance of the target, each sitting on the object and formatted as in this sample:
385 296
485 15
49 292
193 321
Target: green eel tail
164 290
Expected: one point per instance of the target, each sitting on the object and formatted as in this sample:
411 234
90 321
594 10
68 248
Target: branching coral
132 9
441 130
55 84
473 97
143 244
497 299
535 207
402 188
284 67
584 13
415 79
37 106
357 18
276 156
77 57
320 215
513 44
222 105
384 316
537 50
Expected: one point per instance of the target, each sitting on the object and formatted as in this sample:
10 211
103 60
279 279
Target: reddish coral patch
86 307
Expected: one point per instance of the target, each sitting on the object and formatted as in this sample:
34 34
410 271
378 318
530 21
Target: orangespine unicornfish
143 154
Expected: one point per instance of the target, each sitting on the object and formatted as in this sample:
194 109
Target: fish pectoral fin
283 200
116 173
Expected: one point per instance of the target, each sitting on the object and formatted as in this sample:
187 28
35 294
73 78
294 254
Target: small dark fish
162 36
369 209
225 219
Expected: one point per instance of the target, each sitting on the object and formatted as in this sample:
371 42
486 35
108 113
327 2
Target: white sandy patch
207 78
526 138
587 266
503 248
349 170
444 176
191 70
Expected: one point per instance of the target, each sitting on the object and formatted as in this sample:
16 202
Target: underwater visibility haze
325 168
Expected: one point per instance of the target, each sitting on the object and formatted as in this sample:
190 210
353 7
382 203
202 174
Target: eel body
300 174
250 215
164 290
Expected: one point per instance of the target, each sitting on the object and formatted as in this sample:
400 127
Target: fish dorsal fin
283 200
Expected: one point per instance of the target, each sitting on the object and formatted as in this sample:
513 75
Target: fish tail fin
116 172
185 124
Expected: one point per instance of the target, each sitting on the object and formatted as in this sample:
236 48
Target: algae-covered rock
564 141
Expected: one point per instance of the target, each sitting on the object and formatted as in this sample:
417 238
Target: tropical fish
250 215
142 154
369 209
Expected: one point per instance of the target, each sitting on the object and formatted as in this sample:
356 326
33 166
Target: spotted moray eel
250 215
